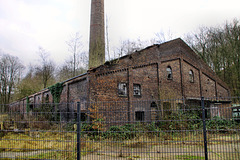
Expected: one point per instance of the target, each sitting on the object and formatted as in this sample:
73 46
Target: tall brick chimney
97 34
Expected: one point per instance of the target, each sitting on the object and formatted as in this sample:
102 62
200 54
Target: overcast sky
27 24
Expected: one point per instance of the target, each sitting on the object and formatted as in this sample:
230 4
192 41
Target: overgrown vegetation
27 105
182 128
56 91
173 123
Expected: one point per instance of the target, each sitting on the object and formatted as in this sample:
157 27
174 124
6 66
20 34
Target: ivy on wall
27 105
56 91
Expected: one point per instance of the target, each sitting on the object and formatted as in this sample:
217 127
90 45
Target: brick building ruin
161 71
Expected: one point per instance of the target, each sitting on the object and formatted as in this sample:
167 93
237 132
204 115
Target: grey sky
27 24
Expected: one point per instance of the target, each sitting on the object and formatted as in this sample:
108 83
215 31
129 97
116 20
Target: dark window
136 89
47 99
191 76
167 108
31 106
169 73
153 105
139 115
236 114
122 89
83 117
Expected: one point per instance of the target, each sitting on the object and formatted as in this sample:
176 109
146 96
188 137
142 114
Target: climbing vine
27 105
56 91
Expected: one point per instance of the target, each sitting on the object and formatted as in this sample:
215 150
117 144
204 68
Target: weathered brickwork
142 75
208 86
64 95
222 91
147 78
77 91
191 88
170 88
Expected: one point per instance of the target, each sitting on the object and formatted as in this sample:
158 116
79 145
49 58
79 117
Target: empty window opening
122 89
47 99
139 115
83 117
191 76
136 89
31 106
153 105
236 114
169 73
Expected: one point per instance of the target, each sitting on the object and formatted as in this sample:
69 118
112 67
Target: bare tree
78 58
10 71
129 46
161 37
65 72
46 69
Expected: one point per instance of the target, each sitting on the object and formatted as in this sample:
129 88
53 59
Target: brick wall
191 88
222 91
104 87
208 86
170 88
78 91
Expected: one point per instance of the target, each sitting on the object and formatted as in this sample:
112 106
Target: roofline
74 77
153 45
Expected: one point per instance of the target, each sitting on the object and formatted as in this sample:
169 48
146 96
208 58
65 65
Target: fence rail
158 129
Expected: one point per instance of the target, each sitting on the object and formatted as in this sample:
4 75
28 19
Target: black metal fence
193 128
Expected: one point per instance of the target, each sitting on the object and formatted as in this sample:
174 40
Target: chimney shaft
97 34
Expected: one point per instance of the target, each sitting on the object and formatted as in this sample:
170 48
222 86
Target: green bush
180 121
124 132
220 124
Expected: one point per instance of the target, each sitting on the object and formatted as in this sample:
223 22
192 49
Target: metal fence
158 129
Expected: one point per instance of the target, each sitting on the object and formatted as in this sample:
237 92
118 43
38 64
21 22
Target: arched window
191 76
169 73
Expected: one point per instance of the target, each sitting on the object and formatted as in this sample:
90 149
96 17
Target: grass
16 142
50 145
189 157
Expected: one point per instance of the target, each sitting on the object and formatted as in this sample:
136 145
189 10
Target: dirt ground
124 151
166 152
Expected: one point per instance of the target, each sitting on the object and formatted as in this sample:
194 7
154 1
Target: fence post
204 128
78 131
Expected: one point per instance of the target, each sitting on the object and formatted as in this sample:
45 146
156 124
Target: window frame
169 72
139 116
122 90
191 76
139 89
